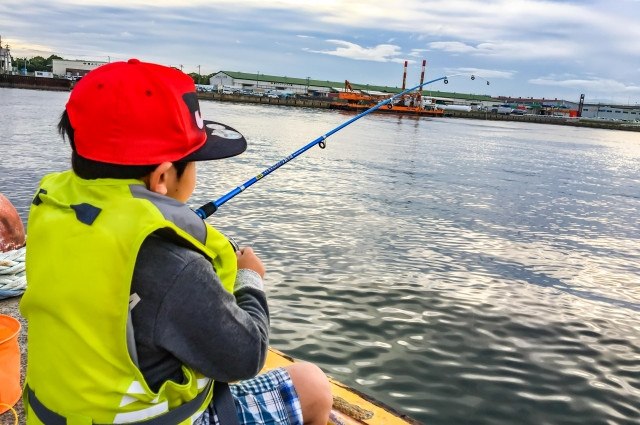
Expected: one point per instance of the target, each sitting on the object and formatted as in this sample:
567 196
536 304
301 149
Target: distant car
273 96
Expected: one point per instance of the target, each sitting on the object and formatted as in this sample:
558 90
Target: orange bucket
10 390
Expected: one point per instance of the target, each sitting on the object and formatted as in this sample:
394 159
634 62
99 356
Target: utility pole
199 77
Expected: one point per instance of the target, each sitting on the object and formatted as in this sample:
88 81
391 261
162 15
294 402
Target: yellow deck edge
382 415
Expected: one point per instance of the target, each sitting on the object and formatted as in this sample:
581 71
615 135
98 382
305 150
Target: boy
135 306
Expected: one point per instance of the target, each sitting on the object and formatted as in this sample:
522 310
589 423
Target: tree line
36 63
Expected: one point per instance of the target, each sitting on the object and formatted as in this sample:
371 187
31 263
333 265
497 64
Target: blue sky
530 48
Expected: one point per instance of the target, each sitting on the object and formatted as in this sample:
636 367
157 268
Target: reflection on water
460 271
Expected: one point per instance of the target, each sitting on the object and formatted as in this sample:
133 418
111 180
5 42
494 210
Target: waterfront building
539 103
264 83
542 106
6 67
43 74
609 112
73 68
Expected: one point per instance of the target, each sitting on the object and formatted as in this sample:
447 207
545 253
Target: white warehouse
622 113
262 82
73 68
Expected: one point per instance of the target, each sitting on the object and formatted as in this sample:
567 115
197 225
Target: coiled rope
13 279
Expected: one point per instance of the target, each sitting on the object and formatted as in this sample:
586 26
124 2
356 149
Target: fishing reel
234 243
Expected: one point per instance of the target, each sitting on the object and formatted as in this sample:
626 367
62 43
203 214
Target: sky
523 48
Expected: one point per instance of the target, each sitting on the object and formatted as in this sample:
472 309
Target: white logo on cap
199 120
222 131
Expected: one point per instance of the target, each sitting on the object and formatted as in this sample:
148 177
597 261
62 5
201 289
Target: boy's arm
221 335
186 315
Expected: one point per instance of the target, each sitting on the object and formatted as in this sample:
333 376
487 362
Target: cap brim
222 142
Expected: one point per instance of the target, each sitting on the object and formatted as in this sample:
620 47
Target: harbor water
460 271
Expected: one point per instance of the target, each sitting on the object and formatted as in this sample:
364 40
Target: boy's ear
157 179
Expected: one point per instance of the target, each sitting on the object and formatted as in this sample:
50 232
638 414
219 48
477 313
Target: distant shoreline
325 104
55 84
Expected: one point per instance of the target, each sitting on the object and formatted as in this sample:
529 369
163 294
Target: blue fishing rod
210 207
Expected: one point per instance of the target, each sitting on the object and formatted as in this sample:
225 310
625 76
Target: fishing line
472 76
211 207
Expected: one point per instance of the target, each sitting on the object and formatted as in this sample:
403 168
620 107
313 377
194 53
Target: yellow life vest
84 237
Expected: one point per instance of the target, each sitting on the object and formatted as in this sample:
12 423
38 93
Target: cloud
20 48
511 49
379 53
492 39
417 53
601 85
453 47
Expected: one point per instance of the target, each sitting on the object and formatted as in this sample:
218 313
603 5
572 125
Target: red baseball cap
138 113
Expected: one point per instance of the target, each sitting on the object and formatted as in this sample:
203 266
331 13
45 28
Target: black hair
89 169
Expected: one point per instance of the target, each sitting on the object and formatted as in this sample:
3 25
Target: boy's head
135 116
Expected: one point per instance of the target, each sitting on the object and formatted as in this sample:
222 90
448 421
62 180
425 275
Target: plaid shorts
269 398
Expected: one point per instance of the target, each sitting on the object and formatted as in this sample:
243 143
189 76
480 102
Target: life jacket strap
223 404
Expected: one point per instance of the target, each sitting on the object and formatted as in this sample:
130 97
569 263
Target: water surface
460 271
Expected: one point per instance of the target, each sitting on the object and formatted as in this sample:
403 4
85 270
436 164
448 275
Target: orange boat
351 100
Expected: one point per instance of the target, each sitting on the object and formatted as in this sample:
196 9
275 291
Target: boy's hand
247 259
